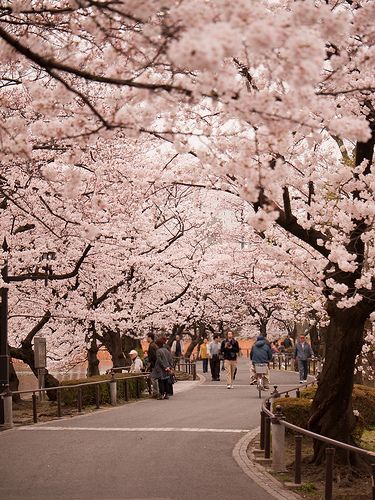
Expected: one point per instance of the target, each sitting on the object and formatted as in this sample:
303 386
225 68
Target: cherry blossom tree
273 101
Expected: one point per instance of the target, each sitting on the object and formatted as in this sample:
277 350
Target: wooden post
330 453
35 416
59 403
297 458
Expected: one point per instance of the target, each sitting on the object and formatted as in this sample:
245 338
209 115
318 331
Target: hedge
69 396
363 401
297 410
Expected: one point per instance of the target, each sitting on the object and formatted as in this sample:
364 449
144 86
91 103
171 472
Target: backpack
287 343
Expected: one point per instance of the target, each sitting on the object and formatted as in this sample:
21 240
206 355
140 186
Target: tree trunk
129 343
313 332
263 328
332 411
25 353
113 343
14 382
92 359
191 347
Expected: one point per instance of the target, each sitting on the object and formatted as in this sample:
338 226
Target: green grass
307 488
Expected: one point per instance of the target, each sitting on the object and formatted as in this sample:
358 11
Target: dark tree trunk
315 339
92 359
191 347
332 412
92 351
263 328
113 343
129 343
25 353
14 383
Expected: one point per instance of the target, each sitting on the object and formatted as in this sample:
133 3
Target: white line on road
244 385
130 429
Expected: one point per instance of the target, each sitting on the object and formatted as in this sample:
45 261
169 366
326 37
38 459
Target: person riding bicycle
260 353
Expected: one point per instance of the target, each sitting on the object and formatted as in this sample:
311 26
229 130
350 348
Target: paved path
179 449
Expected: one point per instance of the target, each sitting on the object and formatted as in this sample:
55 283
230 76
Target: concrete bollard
113 391
8 411
278 442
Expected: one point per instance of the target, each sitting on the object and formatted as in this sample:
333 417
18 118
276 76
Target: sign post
40 361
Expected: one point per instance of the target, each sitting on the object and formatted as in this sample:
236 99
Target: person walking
163 368
203 354
260 353
288 344
214 356
302 352
230 348
151 354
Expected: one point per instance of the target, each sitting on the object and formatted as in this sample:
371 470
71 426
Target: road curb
258 473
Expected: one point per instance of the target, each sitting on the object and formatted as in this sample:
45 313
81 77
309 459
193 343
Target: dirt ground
348 484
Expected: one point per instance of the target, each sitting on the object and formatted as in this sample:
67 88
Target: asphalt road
178 449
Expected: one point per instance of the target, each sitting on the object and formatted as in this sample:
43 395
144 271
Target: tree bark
14 382
191 347
113 343
25 353
129 343
332 411
263 328
92 359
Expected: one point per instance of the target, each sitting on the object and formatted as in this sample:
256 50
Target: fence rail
275 424
181 365
186 366
286 362
112 382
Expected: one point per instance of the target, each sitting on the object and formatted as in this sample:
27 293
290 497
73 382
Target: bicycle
260 370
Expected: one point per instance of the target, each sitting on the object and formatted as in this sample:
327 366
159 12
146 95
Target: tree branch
50 277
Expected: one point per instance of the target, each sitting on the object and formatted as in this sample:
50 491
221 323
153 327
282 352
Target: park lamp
47 256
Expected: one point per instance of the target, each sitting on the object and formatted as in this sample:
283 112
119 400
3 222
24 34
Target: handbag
172 378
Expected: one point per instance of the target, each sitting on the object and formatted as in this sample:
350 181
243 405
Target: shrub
69 395
363 401
296 410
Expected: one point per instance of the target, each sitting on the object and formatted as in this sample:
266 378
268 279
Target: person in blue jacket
260 353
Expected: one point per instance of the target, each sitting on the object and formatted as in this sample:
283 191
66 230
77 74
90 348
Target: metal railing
278 423
180 364
185 365
285 361
79 392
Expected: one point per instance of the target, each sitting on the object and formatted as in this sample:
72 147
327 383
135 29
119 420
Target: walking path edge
258 473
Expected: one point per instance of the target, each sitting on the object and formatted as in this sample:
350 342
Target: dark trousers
163 386
302 367
215 367
205 365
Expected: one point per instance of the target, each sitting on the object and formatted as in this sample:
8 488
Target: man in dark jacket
260 353
229 349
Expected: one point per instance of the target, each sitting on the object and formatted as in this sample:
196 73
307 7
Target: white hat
133 352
